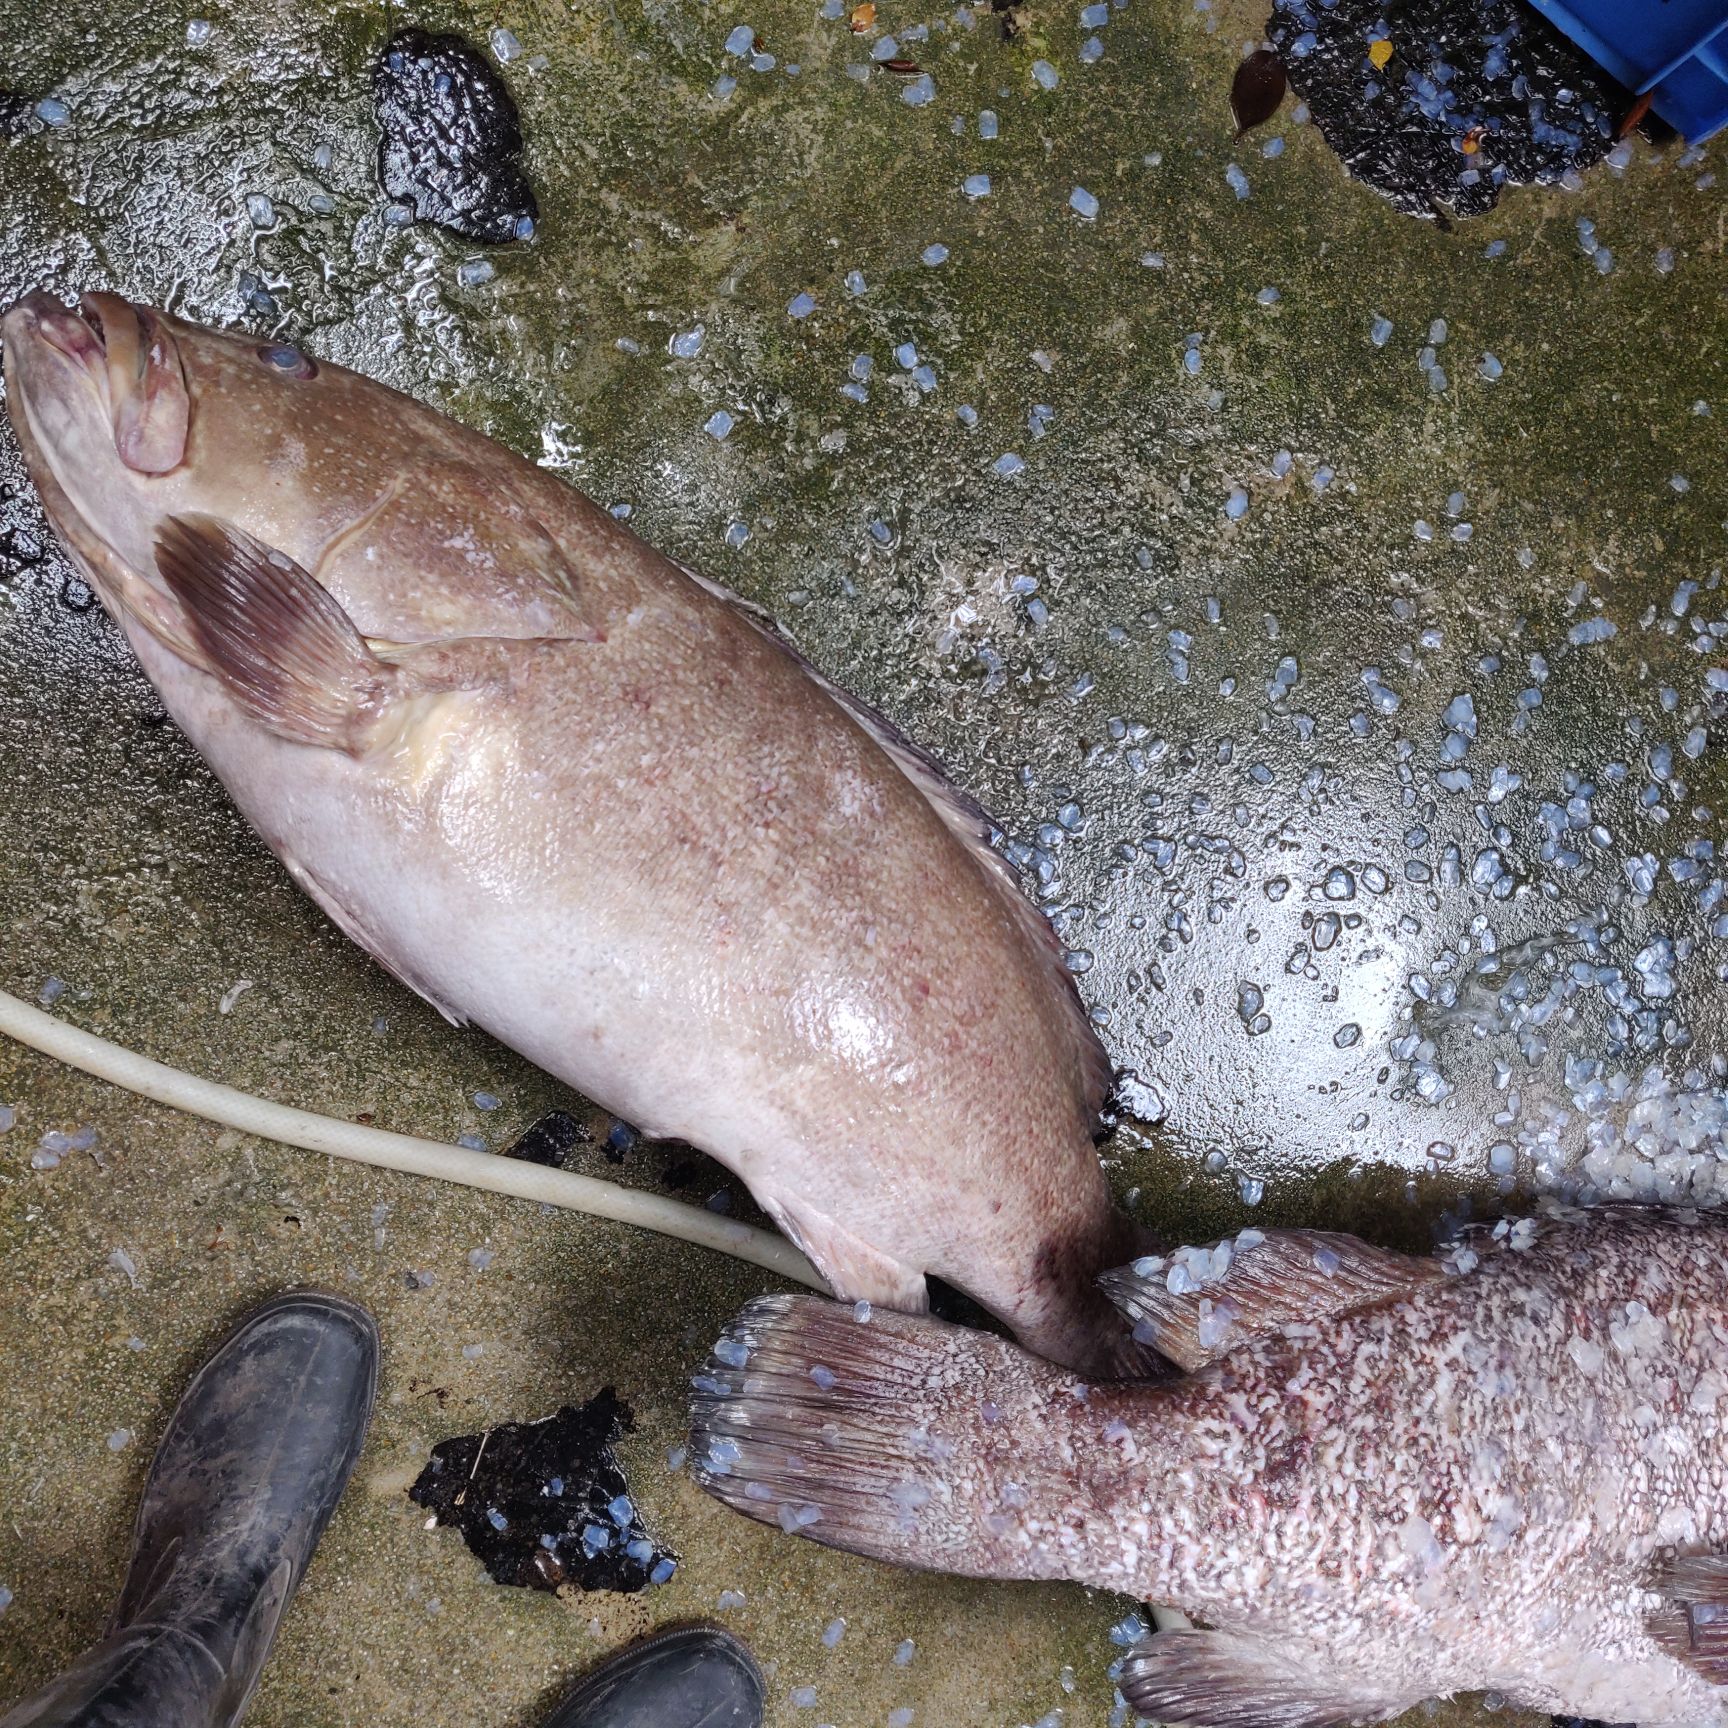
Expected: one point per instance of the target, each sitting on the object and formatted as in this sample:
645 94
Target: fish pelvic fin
1692 1622
904 1439
1230 1680
279 643
1269 1279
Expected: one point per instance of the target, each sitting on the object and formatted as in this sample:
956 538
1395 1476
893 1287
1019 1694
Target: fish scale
1504 1468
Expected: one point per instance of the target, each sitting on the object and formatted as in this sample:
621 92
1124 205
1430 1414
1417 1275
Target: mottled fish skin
588 803
1480 1484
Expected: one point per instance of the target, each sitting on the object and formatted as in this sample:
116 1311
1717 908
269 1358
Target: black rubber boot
695 1677
256 1455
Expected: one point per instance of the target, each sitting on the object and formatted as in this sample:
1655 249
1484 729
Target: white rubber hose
415 1157
405 1152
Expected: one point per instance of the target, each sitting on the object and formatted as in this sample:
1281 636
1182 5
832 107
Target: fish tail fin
900 1438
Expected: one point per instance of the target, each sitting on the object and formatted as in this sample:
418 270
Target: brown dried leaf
1257 90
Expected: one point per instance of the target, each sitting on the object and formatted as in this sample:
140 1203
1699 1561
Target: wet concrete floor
1352 702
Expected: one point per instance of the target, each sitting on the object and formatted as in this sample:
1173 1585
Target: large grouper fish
573 793
1382 1479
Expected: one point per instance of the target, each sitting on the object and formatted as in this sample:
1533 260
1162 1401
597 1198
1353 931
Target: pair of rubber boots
254 1460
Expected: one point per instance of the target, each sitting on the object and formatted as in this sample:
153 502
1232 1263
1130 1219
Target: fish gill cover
1437 104
452 138
544 1504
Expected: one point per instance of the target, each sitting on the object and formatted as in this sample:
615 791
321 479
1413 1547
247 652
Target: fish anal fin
854 1269
1225 1680
280 644
1692 1623
965 817
1274 1278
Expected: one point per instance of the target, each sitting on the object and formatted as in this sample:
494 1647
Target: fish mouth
131 357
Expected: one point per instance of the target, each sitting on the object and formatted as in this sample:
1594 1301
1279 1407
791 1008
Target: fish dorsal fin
968 820
1196 1307
1224 1680
964 816
1692 1622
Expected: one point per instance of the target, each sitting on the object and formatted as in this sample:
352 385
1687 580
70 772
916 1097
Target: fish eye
289 361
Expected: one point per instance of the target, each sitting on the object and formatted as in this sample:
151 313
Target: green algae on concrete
1021 625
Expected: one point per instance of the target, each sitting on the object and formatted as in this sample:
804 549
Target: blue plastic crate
1677 50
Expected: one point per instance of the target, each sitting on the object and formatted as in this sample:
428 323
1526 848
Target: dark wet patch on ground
545 1504
21 547
1257 90
452 138
1438 104
551 1140
14 113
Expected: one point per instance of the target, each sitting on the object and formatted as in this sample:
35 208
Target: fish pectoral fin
1303 1276
1692 1622
1226 1680
280 644
855 1270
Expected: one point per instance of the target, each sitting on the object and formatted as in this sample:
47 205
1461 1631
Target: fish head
99 398
105 381
127 415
